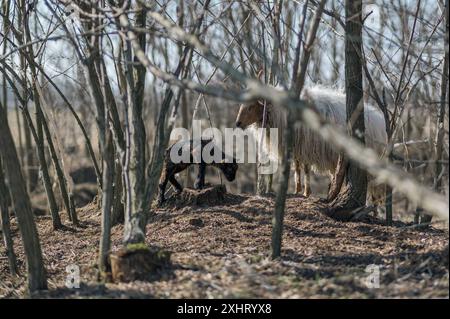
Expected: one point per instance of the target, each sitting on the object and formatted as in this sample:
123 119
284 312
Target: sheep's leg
376 194
200 181
307 180
175 184
298 177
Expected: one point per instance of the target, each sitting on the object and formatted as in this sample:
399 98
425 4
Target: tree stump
139 262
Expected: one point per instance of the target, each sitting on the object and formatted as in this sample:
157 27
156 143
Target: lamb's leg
200 181
162 187
175 184
298 177
307 180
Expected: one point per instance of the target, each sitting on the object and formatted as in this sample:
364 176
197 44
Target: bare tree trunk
108 190
185 124
334 50
280 203
5 225
389 151
440 134
19 134
264 181
31 173
40 149
107 201
5 8
184 100
135 79
353 195
117 213
22 207
134 162
135 221
389 203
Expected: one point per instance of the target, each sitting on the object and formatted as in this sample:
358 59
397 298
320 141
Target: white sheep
309 149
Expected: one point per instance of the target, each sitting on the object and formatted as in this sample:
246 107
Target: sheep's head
249 114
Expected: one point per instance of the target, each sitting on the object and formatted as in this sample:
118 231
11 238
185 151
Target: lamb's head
249 114
229 169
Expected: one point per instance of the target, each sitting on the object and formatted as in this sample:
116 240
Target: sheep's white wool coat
309 148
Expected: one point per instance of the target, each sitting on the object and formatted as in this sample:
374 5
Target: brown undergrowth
221 250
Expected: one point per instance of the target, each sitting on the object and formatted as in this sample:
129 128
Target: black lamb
228 167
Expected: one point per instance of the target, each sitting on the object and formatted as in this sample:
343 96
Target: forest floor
221 249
